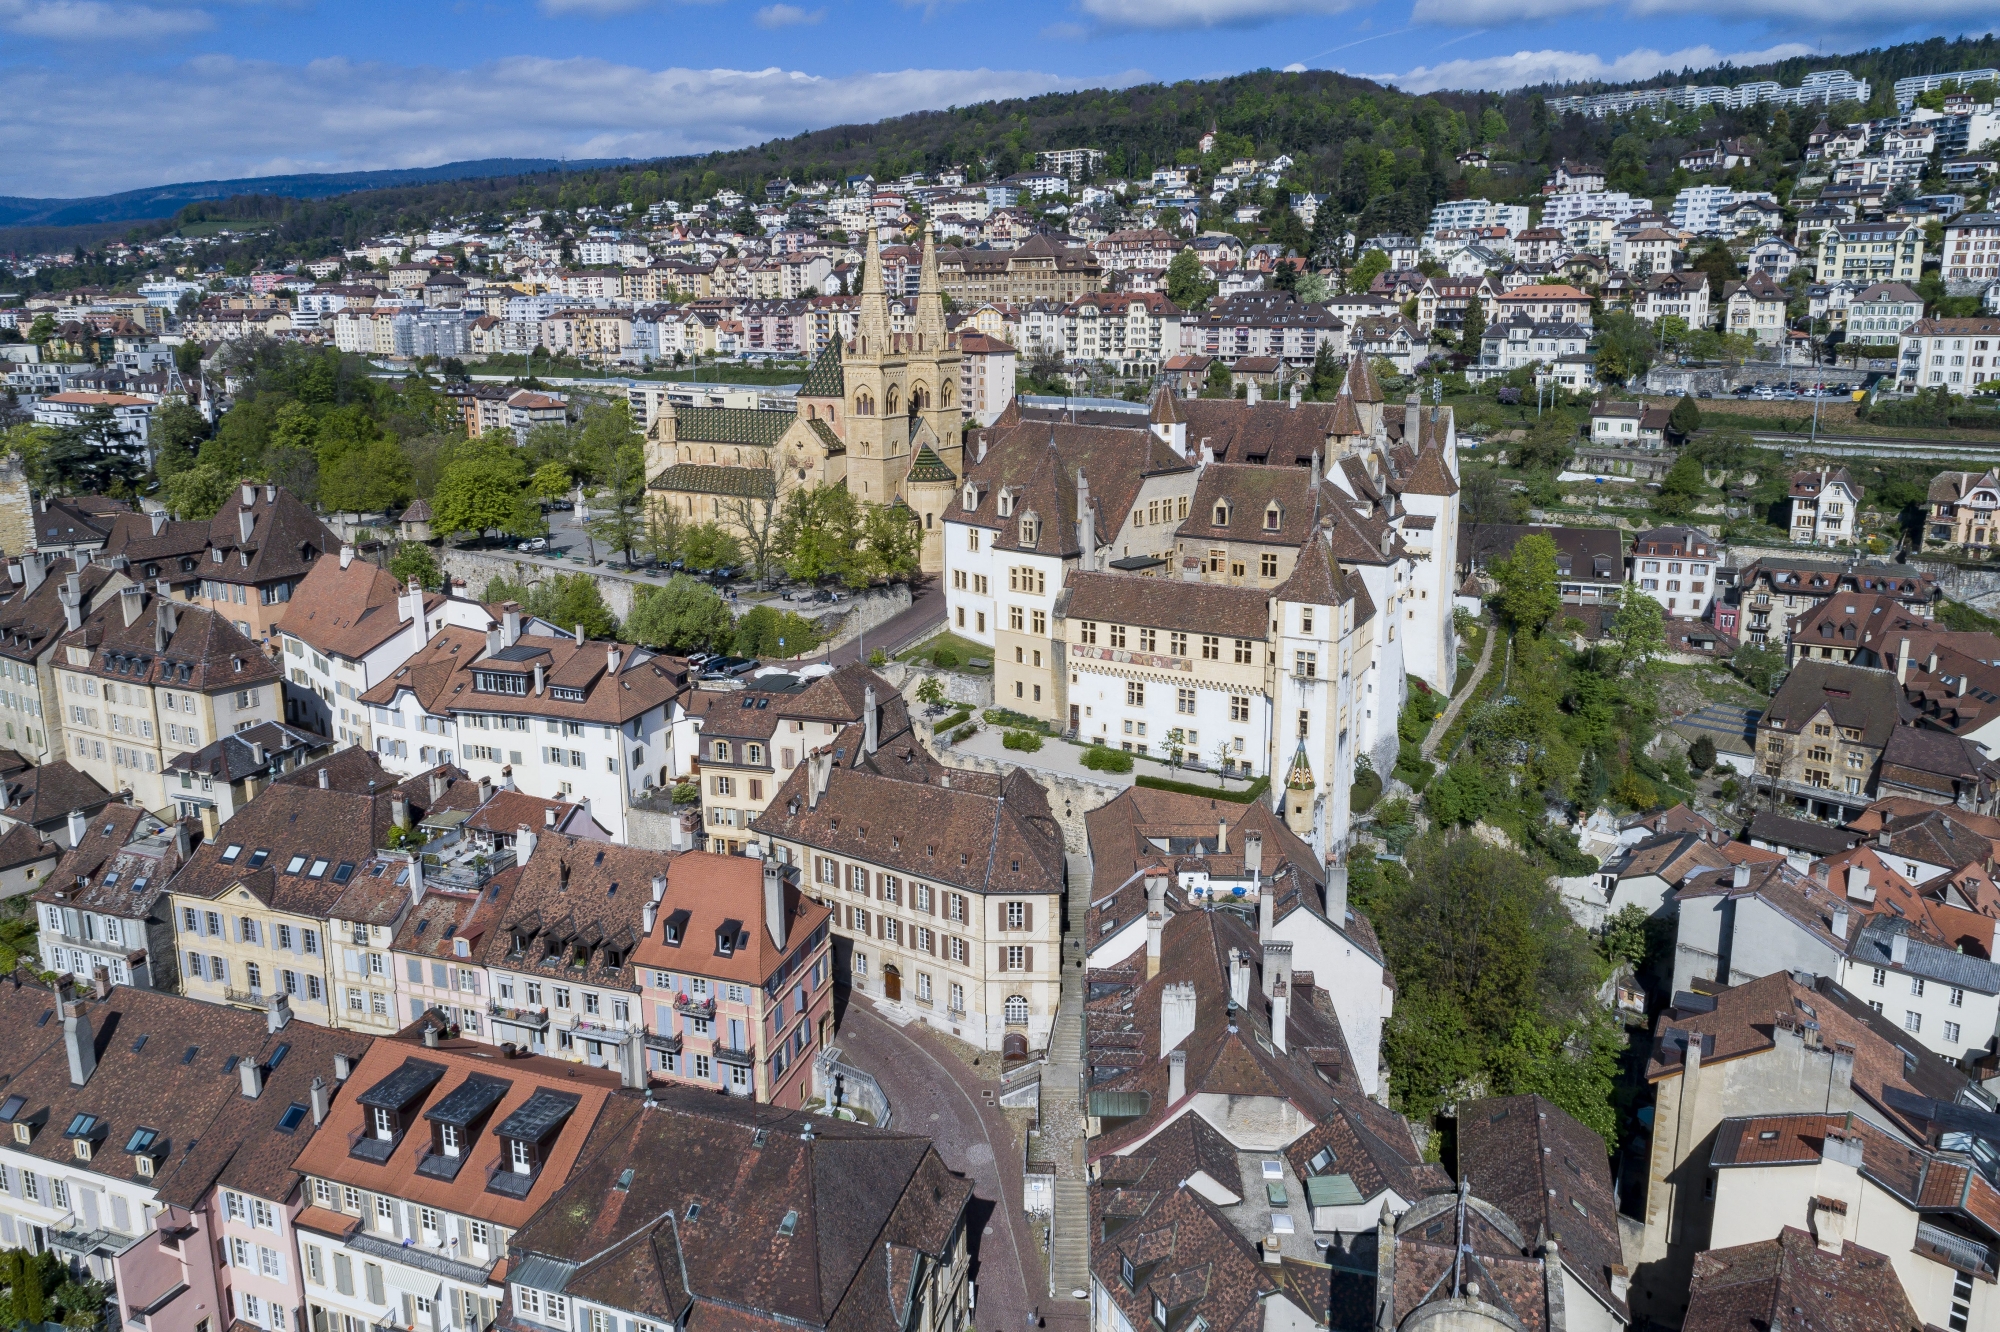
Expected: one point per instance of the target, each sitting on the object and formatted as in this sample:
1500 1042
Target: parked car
533 544
728 668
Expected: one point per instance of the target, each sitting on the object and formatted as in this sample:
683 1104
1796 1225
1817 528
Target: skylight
259 856
295 864
295 1115
230 852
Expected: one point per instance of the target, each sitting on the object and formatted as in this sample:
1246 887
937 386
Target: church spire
872 319
930 327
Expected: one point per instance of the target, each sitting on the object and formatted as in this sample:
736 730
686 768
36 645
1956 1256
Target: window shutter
409 1309
90 1212
881 885
1027 915
438 976
1027 959
415 969
7 1228
343 1273
881 926
376 1295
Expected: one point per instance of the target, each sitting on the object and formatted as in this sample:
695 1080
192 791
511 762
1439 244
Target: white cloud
787 16
1529 67
98 21
1851 15
220 117
1176 14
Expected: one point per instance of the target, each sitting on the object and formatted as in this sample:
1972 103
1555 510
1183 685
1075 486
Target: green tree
1701 755
766 632
29 1305
706 547
98 455
1474 329
1624 938
1371 265
930 692
1760 667
819 534
1685 419
413 559
893 541
1530 596
1458 795
686 615
481 490
1681 489
567 600
178 430
551 481
1188 283
198 493
1638 629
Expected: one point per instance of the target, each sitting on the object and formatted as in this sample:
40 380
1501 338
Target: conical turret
930 329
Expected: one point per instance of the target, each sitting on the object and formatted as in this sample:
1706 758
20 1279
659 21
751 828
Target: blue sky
103 95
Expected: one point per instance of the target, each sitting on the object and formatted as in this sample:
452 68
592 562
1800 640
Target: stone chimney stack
524 843
252 1074
1176 1076
246 523
1740 876
346 554
71 596
1156 920
774 902
869 721
79 1041
321 1100
131 601
510 623
1177 1014
1281 1009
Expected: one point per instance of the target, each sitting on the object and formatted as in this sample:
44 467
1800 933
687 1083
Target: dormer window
1007 502
971 498
1222 513
1273 517
526 1137
1031 528
455 1124
389 1106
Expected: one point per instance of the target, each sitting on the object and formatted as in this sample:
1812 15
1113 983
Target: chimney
258 755
485 789
1221 836
80 1042
1156 921
131 600
1858 887
510 623
1277 965
579 636
612 656
346 554
1964 681
246 522
549 817
1902 661
1899 949
632 1066
1239 978
270 494
1296 395
1281 1009
541 679
1177 1015
159 521
1253 393
35 570
524 844
774 902
79 823
321 1102
249 493
343 1067
1740 876
100 981
1840 922
868 720
1930 666
71 596
430 1036
325 782
495 640
1267 913
165 614
399 810
438 787
1411 425
183 842
1253 856
1176 1076
252 1074
1882 838
819 770
659 886
648 914
1082 501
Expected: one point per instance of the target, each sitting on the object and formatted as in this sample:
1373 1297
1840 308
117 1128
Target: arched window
1016 1011
920 399
944 393
864 405
811 412
892 401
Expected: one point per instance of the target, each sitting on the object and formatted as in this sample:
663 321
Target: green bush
1367 789
944 659
1102 758
686 793
1242 797
958 718
965 733
1025 741
1020 721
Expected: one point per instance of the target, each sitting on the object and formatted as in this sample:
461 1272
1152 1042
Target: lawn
963 648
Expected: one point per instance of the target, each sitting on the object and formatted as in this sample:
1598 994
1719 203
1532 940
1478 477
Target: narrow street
932 1091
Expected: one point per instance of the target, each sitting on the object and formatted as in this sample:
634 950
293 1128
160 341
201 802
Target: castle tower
934 367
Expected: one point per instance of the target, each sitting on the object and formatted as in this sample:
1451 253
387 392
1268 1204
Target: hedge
1243 797
1102 758
1026 741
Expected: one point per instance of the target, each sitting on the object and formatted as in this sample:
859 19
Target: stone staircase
1062 1105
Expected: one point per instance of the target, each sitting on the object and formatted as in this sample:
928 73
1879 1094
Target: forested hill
1385 155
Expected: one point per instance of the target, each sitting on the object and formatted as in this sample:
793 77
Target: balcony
502 1179
247 998
729 1054
534 1019
432 1164
664 1044
701 1008
602 1029
468 868
1967 1255
363 1147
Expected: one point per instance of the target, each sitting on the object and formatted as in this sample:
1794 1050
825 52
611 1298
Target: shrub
1366 791
1242 797
1019 721
1025 741
944 659
958 718
1701 755
964 733
1102 758
686 793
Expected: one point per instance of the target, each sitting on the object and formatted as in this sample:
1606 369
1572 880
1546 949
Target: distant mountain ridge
165 200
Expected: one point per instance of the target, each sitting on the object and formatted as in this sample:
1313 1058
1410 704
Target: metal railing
249 998
469 872
702 1008
1967 1255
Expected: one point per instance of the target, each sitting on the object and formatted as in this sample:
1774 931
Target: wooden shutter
1027 915
1027 959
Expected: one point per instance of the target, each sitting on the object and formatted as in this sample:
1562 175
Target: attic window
1031 528
1767 1135
1222 513
296 863
230 852
1273 516
788 1225
257 857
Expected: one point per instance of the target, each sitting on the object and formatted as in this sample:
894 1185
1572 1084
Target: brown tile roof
169 1064
1264 433
286 538
126 841
1249 493
1791 1282
578 893
1865 700
706 890
21 845
1470 1239
813 1229
43 797
345 612
202 651
589 1090
435 925
1551 1176
1214 608
1042 459
1188 1255
441 677
32 621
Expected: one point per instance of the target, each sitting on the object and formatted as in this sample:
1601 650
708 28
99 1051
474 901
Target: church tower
878 391
934 365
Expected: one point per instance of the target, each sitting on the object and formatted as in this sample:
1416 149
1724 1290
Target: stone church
879 414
